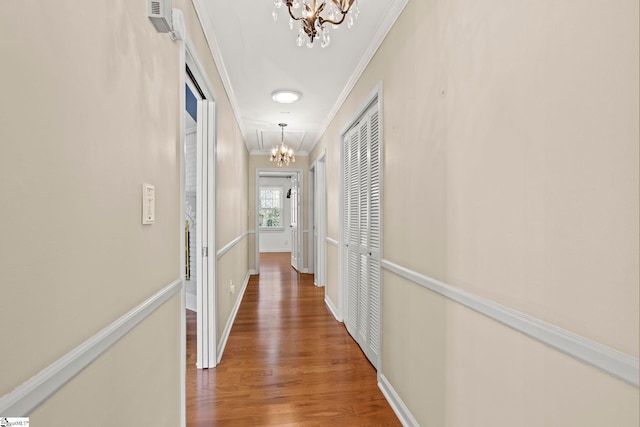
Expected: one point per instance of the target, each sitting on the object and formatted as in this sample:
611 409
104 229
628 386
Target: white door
312 236
352 230
362 228
205 277
295 223
319 218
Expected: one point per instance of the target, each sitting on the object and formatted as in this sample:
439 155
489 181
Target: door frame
318 220
188 57
311 238
275 172
375 96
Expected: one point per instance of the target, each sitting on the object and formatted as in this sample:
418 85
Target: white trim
332 308
192 60
191 301
390 17
183 354
332 242
398 406
252 272
206 296
375 96
29 395
232 318
318 212
230 245
251 231
611 361
312 258
209 34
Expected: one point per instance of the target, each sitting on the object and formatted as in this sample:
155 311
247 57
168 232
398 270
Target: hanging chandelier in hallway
313 17
282 155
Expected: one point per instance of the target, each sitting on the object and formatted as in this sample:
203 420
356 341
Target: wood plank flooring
287 362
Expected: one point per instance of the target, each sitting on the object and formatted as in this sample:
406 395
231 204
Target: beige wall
262 162
510 171
89 111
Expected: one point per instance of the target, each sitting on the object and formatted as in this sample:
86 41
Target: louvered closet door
363 241
352 226
374 244
362 228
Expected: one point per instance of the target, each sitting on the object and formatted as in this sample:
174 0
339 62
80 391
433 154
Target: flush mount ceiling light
286 96
314 16
281 154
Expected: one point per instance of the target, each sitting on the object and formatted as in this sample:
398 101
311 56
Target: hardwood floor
287 362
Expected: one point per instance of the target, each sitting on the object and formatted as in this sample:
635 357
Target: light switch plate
148 204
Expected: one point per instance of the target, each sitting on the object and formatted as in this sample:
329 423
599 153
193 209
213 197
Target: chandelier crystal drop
281 154
315 14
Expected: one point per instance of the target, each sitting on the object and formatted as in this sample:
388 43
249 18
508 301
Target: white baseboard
252 272
332 308
32 393
227 328
398 406
191 301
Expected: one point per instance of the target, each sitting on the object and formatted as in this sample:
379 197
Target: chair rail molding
32 393
610 361
332 241
231 244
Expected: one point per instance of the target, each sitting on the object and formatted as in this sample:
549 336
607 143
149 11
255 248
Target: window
270 211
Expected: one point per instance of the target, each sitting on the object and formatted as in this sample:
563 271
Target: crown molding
390 18
207 28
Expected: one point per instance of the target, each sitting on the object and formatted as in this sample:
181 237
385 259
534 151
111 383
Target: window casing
270 211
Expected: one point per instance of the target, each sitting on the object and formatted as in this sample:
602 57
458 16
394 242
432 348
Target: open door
296 247
205 244
319 222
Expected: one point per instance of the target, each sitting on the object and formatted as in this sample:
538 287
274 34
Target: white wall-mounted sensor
178 27
160 14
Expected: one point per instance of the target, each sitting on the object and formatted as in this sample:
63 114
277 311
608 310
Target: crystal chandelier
313 17
281 154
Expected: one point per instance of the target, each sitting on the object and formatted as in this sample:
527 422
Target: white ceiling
257 55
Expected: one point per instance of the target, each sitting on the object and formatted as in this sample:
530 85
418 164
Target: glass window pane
269 211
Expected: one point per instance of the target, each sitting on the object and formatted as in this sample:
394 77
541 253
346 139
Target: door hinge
205 251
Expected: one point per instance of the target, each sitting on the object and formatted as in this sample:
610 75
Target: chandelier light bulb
315 15
281 154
